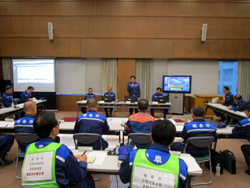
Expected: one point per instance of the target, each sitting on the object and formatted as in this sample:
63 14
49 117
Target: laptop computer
130 98
161 99
107 98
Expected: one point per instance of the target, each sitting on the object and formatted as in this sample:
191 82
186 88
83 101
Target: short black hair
226 88
238 97
44 123
246 106
90 88
91 103
163 132
132 77
158 88
198 111
7 87
143 104
30 87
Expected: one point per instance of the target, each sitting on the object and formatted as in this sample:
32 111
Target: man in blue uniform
134 90
92 122
112 95
26 95
154 98
25 124
197 128
147 167
140 122
236 106
88 96
7 98
6 142
243 128
67 171
228 99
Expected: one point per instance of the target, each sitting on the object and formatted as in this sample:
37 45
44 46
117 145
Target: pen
6 125
84 152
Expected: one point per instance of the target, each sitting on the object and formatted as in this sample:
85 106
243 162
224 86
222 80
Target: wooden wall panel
126 68
212 49
39 47
124 48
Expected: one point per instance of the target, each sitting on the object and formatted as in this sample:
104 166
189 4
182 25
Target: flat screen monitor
177 84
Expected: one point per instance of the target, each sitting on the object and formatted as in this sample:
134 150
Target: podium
177 100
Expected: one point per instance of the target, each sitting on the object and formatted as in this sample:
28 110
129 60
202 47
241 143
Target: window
228 76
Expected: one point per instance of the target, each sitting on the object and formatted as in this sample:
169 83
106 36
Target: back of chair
200 142
140 138
87 138
26 138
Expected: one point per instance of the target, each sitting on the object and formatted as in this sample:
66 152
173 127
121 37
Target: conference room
175 54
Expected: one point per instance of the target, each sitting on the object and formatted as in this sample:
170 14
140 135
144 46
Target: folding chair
202 142
25 138
88 138
139 138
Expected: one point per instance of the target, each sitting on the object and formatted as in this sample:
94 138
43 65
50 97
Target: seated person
67 171
154 98
6 142
236 106
88 96
7 98
112 95
92 122
243 128
197 128
157 158
140 122
25 124
26 95
228 99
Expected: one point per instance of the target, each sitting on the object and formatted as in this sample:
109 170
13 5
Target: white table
223 109
108 164
101 104
160 106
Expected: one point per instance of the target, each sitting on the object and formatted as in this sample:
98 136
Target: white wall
204 73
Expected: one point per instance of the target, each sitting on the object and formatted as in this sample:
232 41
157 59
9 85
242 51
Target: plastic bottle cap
218 164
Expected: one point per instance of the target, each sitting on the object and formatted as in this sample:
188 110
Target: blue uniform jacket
89 96
24 125
25 96
112 95
243 127
238 106
198 128
92 122
155 150
68 170
134 91
229 99
7 100
155 96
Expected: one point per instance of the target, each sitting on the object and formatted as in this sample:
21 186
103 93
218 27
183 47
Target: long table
5 112
223 109
123 105
108 164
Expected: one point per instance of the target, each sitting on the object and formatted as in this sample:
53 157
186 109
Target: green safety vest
32 149
171 167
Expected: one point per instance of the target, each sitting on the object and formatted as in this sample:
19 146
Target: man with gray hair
112 95
92 122
197 128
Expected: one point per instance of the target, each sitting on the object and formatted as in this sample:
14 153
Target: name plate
128 102
154 102
101 102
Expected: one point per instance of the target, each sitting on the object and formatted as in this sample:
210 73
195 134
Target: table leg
189 178
78 106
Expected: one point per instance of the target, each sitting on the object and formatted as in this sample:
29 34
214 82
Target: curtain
244 78
109 75
144 72
7 69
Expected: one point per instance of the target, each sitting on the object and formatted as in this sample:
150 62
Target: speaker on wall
204 32
50 29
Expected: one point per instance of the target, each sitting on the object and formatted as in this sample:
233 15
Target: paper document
99 157
214 100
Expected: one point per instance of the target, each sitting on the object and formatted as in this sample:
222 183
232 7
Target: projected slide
177 84
38 73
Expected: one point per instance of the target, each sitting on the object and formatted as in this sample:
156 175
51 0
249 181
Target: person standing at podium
88 96
112 95
134 90
154 99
